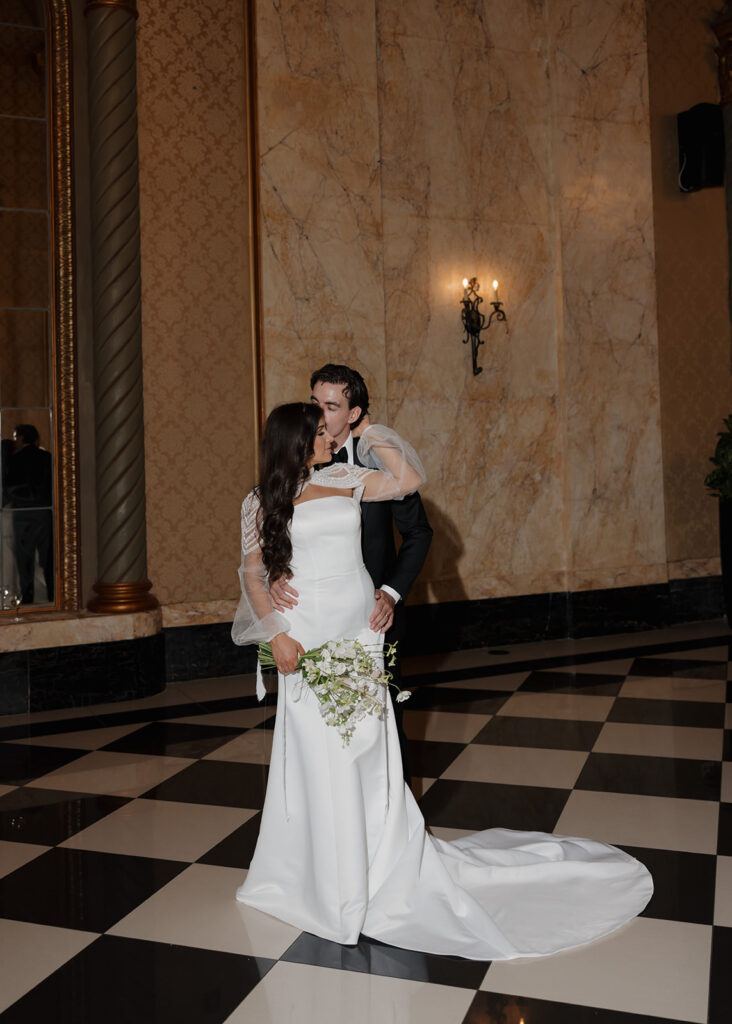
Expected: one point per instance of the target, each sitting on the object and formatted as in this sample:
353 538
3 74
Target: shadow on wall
440 581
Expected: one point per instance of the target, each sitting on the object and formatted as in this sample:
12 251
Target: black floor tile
589 683
174 739
428 759
164 712
49 816
496 1008
727 748
544 733
372 957
82 889
21 763
720 977
679 668
683 884
224 783
651 776
728 694
724 836
130 981
481 805
444 698
700 714
237 850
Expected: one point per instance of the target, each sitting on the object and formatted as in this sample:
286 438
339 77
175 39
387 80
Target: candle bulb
495 291
465 287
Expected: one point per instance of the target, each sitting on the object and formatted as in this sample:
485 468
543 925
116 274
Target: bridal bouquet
346 679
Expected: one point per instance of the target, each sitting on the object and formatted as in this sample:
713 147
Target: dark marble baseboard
194 652
65 677
458 625
41 680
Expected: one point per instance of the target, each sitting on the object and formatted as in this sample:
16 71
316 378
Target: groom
342 395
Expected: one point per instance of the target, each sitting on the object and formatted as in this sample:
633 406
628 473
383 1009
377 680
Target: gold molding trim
121 5
255 262
60 107
117 598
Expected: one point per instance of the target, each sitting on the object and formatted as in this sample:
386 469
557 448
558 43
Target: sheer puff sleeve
256 619
391 468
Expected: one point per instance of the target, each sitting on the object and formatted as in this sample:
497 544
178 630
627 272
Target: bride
342 848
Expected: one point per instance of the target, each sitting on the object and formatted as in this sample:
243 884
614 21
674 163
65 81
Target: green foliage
719 481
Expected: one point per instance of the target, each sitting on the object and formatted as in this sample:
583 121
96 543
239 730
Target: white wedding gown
342 849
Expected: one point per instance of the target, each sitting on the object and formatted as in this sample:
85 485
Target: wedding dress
342 848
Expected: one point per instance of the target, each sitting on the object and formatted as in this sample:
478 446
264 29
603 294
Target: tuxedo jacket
384 564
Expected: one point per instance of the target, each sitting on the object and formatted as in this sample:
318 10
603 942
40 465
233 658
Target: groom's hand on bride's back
282 595
383 614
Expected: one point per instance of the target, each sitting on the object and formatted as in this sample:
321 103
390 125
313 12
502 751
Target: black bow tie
341 455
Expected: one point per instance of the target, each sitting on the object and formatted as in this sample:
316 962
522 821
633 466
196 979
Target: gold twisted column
122 584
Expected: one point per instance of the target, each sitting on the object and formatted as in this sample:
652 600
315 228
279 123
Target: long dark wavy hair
288 443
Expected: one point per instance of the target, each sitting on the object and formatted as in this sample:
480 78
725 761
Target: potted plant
719 481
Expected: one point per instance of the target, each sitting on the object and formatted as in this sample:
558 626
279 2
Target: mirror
27 425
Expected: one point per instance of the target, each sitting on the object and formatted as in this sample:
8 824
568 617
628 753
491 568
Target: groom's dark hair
354 386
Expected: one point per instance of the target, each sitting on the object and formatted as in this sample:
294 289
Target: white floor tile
6 789
669 688
517 766
698 654
168 829
199 908
448 834
443 726
85 739
252 747
221 688
15 855
106 771
509 681
618 667
167 697
420 786
654 967
656 822
30 952
299 994
575 707
723 893
243 718
660 741
726 792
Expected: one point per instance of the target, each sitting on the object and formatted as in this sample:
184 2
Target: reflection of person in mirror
29 489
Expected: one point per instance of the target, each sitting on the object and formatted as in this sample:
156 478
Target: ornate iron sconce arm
474 321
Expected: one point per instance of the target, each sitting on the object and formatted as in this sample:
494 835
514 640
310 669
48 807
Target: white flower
402 696
340 669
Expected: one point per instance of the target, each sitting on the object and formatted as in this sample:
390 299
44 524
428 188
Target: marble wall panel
507 140
197 348
322 287
691 258
602 159
466 157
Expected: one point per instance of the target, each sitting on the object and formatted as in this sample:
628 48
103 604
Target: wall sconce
474 321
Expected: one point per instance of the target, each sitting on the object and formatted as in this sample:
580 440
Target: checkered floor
125 829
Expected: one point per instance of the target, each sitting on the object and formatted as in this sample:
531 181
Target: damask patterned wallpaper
695 353
196 327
